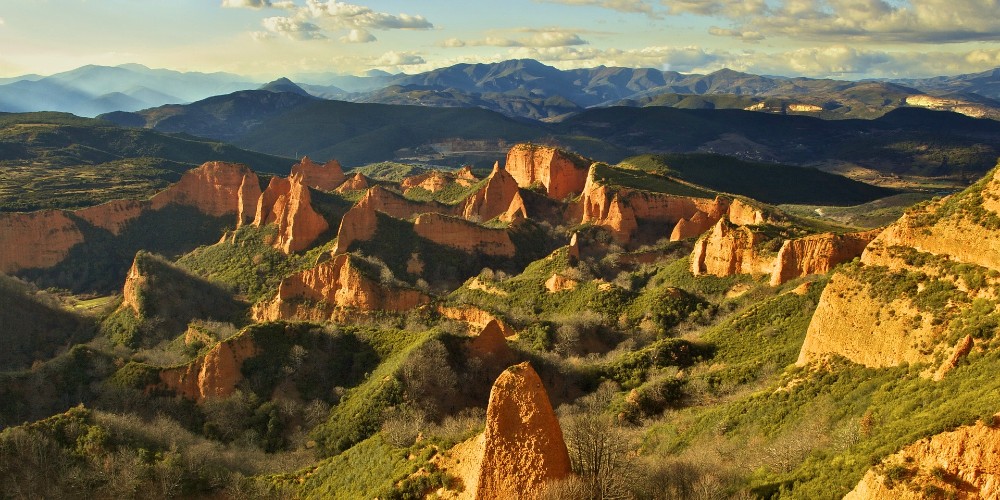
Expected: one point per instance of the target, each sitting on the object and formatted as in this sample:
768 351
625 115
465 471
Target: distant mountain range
522 88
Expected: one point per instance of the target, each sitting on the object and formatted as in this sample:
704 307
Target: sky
266 39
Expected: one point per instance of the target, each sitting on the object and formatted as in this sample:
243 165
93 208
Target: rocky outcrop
500 197
491 344
742 213
729 249
321 292
475 317
432 181
132 290
113 215
36 240
356 183
390 203
559 283
523 443
961 350
465 177
817 254
358 224
215 188
693 227
44 238
464 235
291 209
213 375
324 177
964 463
561 173
935 244
573 250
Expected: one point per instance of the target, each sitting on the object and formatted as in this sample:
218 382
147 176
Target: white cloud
358 36
347 15
746 36
453 43
393 58
873 21
258 4
294 29
550 37
627 6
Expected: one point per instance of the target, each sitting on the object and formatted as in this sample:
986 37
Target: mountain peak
284 85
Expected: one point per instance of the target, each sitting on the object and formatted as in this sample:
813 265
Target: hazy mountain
284 85
91 90
985 84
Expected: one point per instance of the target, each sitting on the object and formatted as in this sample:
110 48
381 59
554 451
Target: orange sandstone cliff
729 249
937 244
817 254
43 239
464 235
523 443
356 183
964 463
325 291
561 173
500 197
324 177
213 375
291 209
476 317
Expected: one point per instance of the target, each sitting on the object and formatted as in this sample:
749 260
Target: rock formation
432 181
465 177
324 177
728 249
291 209
524 445
390 203
961 350
213 375
476 317
114 215
36 239
491 344
358 224
500 197
464 235
690 228
356 183
561 173
573 250
215 188
936 244
559 283
964 463
320 293
817 254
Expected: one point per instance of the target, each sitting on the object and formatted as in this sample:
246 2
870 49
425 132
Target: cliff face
215 188
113 215
817 254
324 177
291 209
338 284
964 463
356 183
559 172
432 181
499 197
523 446
131 291
36 239
475 317
358 224
390 203
464 235
932 247
727 250
214 375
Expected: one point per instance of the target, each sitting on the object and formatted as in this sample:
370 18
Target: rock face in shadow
326 177
43 239
817 254
213 375
463 235
491 344
964 463
299 225
523 443
561 173
332 288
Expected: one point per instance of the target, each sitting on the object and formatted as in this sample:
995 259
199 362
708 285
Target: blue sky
269 38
